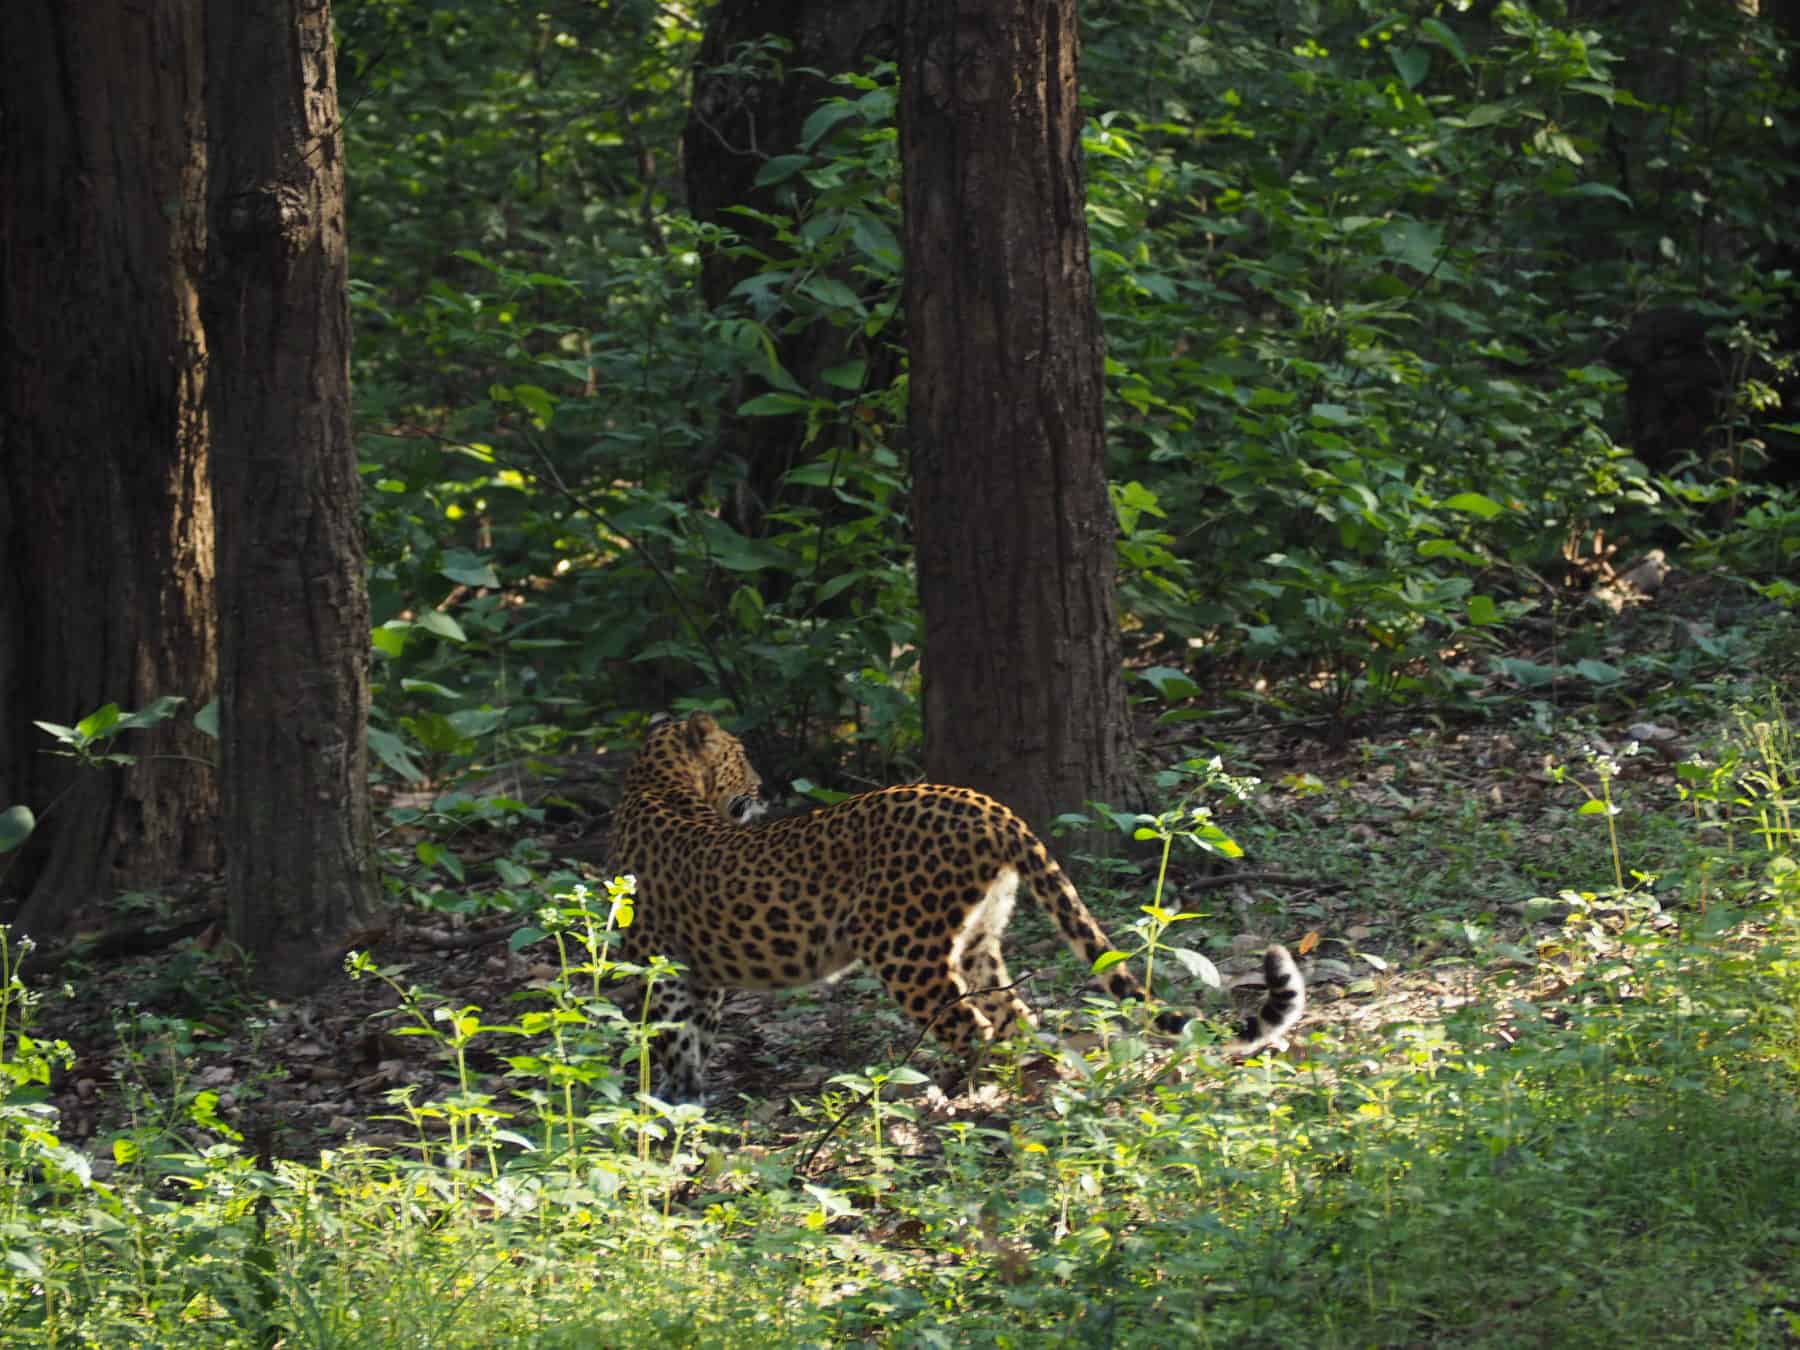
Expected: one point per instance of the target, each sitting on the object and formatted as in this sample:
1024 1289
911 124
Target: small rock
1648 573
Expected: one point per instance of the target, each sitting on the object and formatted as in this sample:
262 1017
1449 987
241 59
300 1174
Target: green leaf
1414 64
736 553
1483 611
16 825
1443 548
511 873
433 854
846 374
1528 673
411 686
774 405
442 625
781 168
1484 115
746 608
1417 243
435 732
394 752
537 401
823 119
158 712
390 638
476 721
1592 807
1598 672
807 788
831 292
466 569
67 735
838 585
1593 189
98 723
1441 33
874 239
1214 840
813 473
1196 965
1172 684
1125 822
524 937
1138 498
207 719
1475 504
1107 960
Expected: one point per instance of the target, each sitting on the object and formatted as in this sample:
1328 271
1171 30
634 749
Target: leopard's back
786 902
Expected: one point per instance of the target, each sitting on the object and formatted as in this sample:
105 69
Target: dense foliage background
1364 272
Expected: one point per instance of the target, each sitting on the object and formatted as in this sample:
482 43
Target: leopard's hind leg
984 975
679 1051
955 981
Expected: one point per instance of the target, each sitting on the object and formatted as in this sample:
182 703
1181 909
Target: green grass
1600 1149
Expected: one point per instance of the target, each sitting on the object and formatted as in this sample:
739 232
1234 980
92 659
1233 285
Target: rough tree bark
106 564
1023 691
294 614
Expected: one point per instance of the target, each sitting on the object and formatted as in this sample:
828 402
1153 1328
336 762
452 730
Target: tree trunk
1023 692
106 564
294 613
743 114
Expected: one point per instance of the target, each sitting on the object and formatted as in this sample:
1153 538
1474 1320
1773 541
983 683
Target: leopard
916 882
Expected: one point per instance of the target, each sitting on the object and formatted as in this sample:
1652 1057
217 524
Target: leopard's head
697 757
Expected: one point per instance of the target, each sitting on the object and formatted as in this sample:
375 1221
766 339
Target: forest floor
1544 1092
1416 862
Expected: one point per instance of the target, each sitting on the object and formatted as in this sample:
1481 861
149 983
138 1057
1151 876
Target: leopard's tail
1283 1005
1284 999
1057 897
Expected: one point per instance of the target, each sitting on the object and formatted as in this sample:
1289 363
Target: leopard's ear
700 729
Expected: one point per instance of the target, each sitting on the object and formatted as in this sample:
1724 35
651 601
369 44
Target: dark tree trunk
106 563
741 116
294 614
1023 690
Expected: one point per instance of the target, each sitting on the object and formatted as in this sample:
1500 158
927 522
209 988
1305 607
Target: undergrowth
1598 1147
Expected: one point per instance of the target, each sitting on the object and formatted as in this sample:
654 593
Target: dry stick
911 1050
1220 880
129 939
457 941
